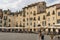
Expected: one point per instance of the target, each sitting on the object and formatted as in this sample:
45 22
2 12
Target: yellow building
52 15
35 16
32 17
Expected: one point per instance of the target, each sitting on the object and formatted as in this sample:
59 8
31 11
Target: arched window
44 17
38 17
34 13
48 14
34 24
58 13
53 12
34 18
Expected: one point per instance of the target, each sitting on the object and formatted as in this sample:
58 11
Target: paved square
21 36
18 36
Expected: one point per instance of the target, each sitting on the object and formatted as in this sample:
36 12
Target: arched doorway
8 30
49 31
5 30
54 32
59 31
20 30
16 30
12 30
30 30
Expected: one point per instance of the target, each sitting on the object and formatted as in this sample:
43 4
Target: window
53 23
48 24
44 23
24 15
9 20
5 12
27 19
44 17
34 29
4 24
20 25
58 21
43 3
30 18
31 12
34 18
53 13
48 14
5 17
27 13
9 25
23 24
34 24
58 13
16 25
27 8
31 23
27 23
34 13
38 17
24 20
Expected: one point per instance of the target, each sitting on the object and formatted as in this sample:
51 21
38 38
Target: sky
15 5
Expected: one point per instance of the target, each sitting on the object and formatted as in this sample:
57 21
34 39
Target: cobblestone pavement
21 36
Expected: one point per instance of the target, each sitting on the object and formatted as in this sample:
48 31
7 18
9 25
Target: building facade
1 16
32 17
